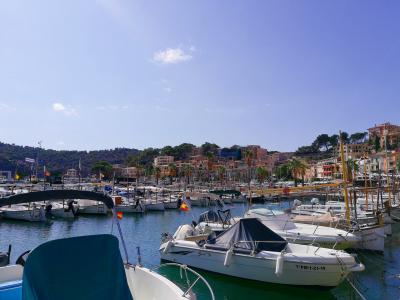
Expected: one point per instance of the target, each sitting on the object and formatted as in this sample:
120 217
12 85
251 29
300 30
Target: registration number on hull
310 268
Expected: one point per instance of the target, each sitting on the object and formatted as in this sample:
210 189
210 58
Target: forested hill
12 157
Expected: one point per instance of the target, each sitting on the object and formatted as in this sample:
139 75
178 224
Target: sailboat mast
344 172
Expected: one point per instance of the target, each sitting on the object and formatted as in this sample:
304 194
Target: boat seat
79 268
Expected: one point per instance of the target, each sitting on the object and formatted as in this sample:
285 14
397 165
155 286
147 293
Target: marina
199 150
144 229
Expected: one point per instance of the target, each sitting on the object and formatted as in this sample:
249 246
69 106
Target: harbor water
380 280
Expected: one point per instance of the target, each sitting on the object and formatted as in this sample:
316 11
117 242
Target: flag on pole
185 206
120 215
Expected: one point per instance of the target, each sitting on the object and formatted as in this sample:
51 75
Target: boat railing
185 268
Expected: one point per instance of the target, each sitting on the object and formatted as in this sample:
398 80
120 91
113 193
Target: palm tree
187 171
298 169
261 174
172 171
221 173
157 174
210 164
249 156
352 168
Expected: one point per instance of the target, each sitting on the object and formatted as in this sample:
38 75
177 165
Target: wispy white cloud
171 56
192 48
61 108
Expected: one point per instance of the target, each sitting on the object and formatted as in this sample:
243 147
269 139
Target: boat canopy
248 235
209 216
56 195
85 267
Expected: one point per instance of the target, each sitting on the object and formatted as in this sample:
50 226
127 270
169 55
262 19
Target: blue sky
117 73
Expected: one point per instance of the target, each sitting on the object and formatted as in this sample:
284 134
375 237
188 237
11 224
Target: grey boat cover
78 268
246 236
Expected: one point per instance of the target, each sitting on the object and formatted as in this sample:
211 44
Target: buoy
167 247
279 265
228 257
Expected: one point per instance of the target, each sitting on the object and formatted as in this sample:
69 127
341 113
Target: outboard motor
48 209
314 201
296 202
5 257
71 207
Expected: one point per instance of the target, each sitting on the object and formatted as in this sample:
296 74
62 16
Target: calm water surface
381 280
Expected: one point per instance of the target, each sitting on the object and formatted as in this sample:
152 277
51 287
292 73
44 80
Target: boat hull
372 238
259 269
33 215
157 206
171 205
130 208
146 284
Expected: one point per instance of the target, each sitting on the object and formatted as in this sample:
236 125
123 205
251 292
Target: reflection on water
379 281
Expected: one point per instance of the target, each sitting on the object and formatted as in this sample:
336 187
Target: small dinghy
250 250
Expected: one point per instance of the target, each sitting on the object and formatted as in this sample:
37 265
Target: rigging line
358 292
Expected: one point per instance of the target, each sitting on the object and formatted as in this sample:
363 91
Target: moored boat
250 250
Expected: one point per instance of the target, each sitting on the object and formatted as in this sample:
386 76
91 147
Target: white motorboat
372 234
250 250
125 206
153 204
171 203
32 212
300 233
91 207
65 210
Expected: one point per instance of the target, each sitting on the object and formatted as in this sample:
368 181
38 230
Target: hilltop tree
344 137
358 137
322 140
102 167
334 140
208 147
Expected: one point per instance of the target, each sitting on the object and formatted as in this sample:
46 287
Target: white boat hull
156 206
31 215
259 269
62 213
130 208
171 205
145 284
92 207
372 238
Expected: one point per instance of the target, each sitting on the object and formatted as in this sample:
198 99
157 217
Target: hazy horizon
101 74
